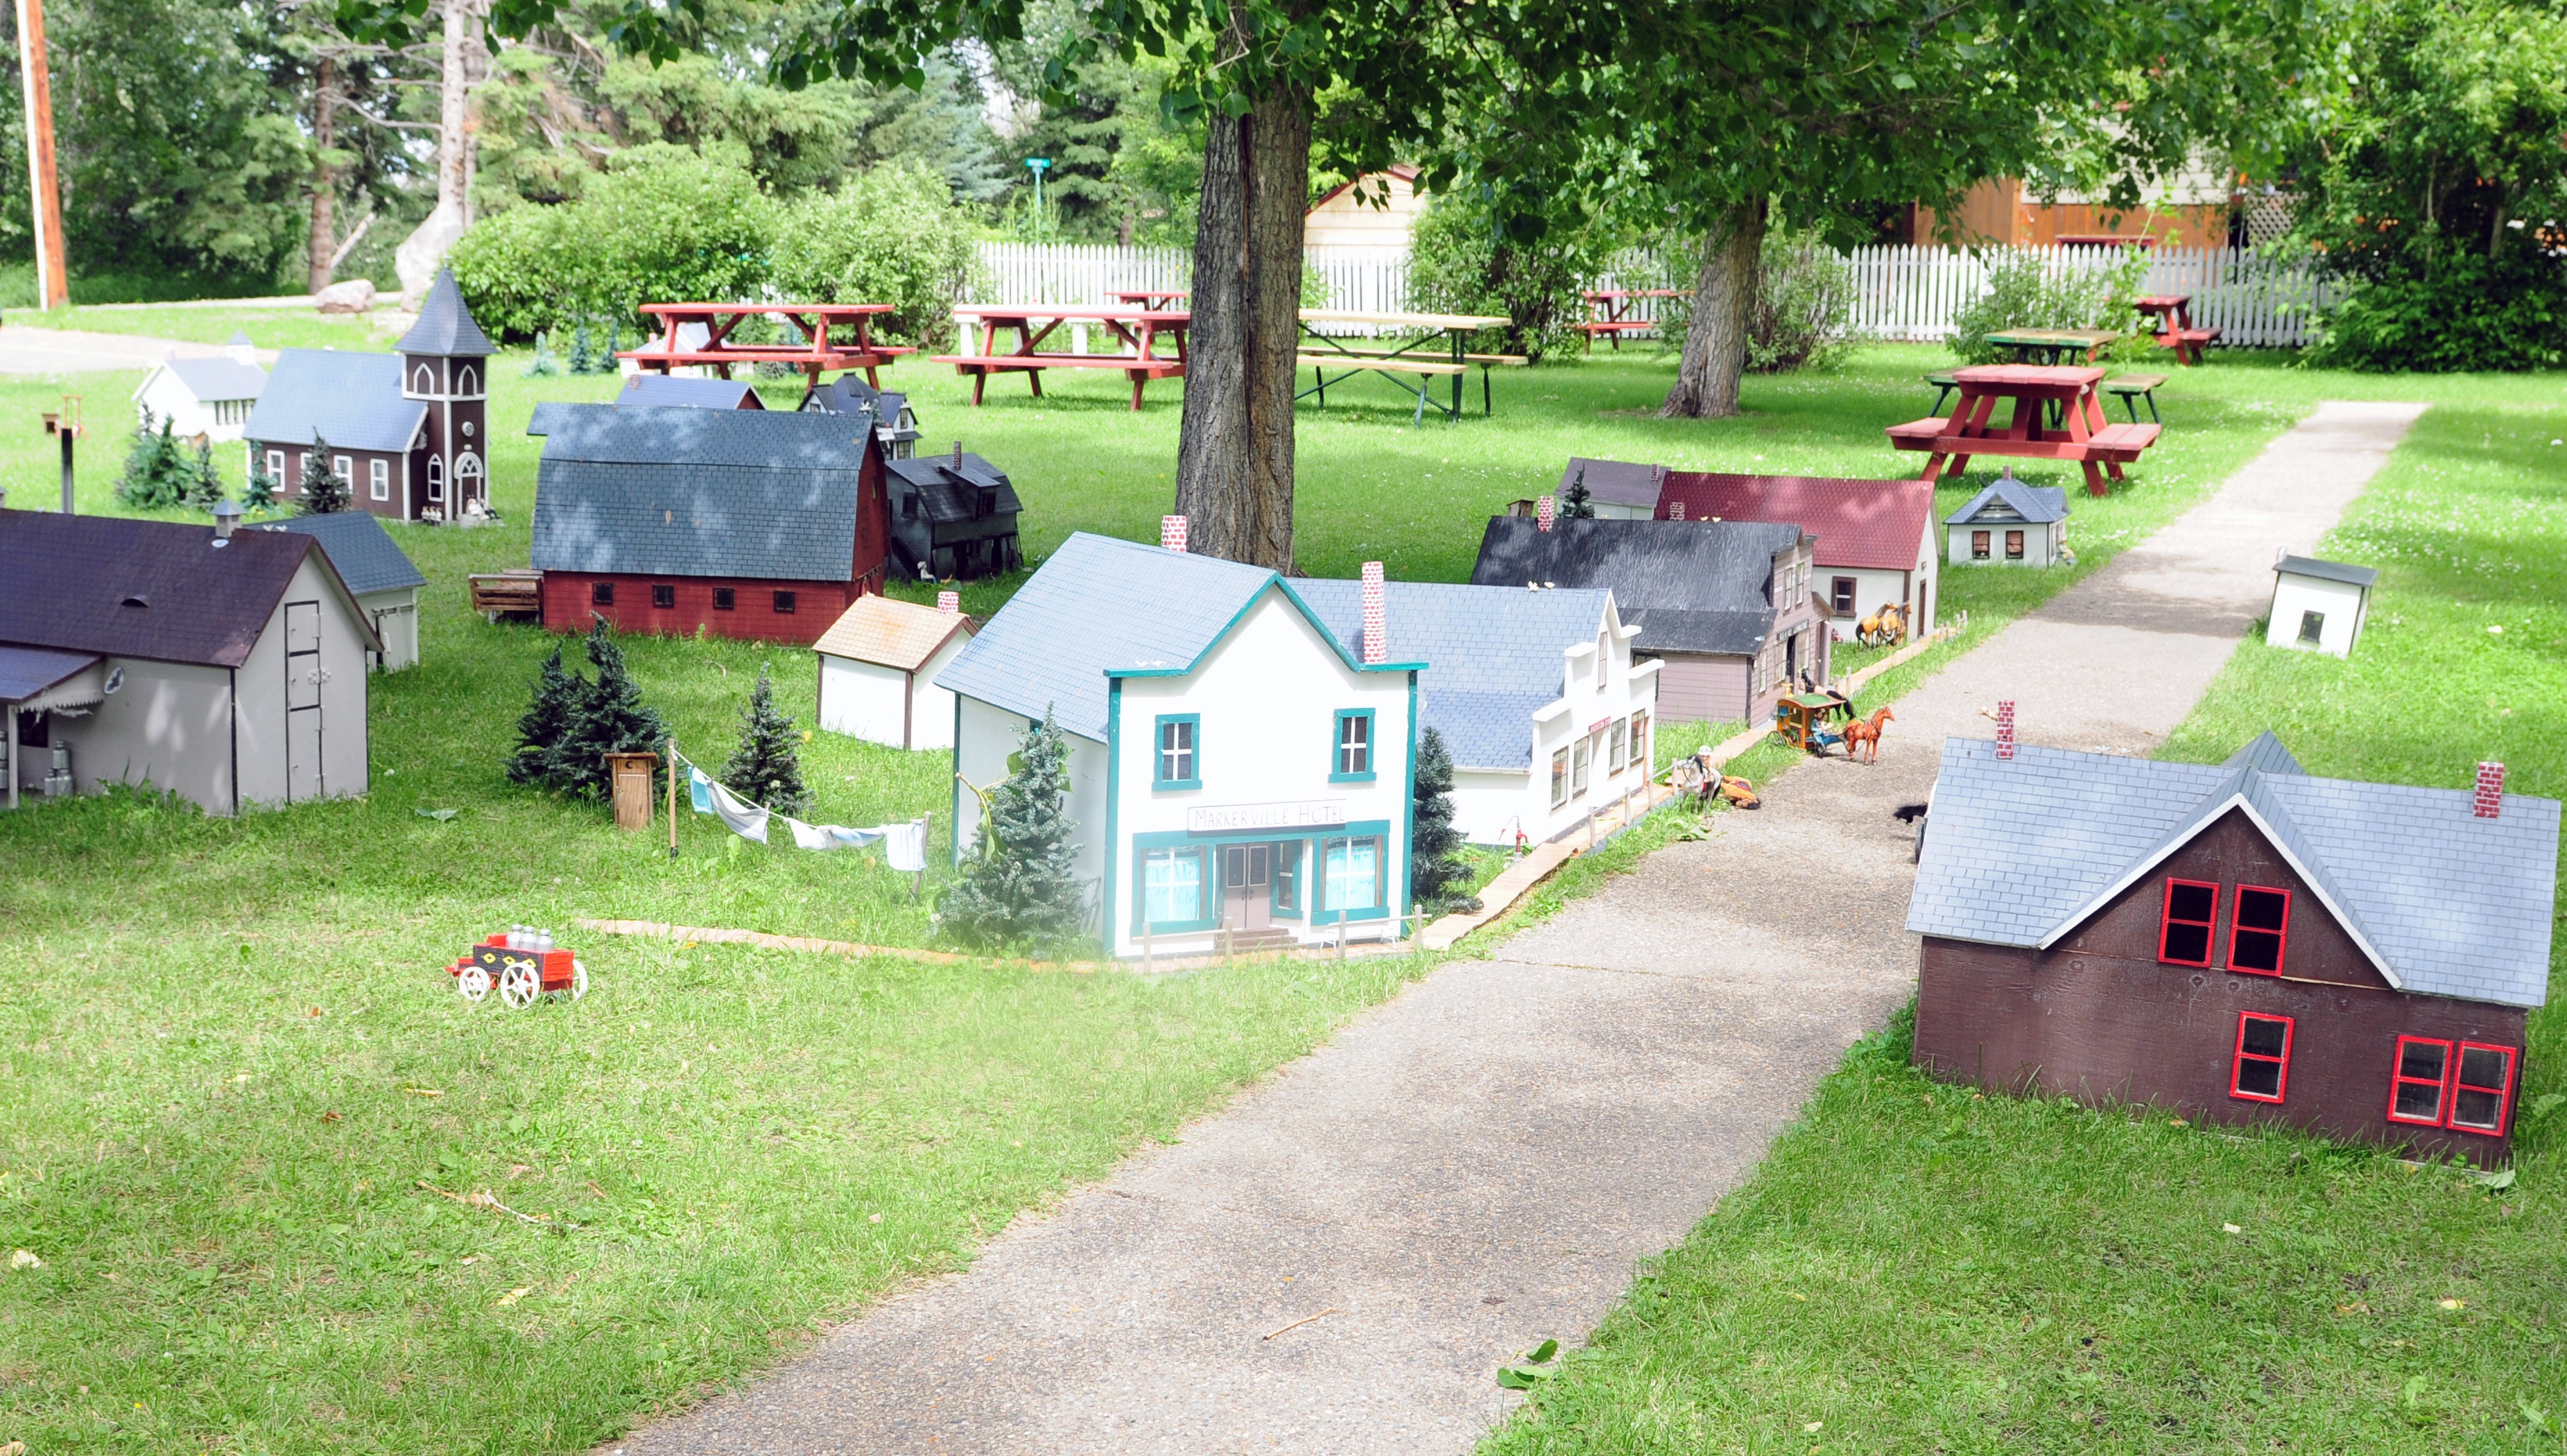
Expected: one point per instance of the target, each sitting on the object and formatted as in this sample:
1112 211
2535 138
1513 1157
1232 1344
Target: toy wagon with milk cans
521 964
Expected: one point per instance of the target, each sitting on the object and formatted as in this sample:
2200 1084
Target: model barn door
1247 886
303 679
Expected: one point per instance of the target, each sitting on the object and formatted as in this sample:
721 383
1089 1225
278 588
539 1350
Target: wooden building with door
2240 943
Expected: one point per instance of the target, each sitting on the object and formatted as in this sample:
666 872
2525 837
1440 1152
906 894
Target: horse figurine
1883 627
1863 734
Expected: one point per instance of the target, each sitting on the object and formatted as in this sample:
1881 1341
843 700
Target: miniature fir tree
1577 502
1436 869
325 490
610 718
156 468
544 364
548 718
204 483
260 496
1017 889
764 769
581 359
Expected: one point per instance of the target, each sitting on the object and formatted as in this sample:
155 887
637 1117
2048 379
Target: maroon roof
1870 524
141 589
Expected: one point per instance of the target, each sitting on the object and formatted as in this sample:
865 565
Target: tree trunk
419 256
325 181
1715 346
1235 455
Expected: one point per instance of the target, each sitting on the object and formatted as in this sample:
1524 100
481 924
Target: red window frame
2441 1085
2503 1093
2237 903
2209 927
2240 1056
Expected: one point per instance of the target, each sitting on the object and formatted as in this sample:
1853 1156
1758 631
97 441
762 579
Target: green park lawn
234 1075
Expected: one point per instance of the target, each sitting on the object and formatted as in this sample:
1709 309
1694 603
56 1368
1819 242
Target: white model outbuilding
878 667
382 575
2319 606
203 399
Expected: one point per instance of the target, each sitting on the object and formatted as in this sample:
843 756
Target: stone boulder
354 296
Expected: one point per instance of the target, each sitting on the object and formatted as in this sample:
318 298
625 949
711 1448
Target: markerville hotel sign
1248 819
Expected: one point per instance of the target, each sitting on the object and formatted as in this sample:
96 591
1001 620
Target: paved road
25 351
1475 1165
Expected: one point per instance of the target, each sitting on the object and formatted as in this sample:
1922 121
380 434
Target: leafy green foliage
1459 261
1804 306
1438 874
161 470
1017 889
259 494
325 490
889 235
2027 290
1577 502
764 769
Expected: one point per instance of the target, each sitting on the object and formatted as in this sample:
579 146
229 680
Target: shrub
2458 310
1458 263
891 235
522 269
1801 316
2025 292
158 470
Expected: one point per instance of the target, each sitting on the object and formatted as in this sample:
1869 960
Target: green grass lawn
220 1038
1917 1268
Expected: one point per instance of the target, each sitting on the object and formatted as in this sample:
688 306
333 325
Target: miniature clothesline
904 846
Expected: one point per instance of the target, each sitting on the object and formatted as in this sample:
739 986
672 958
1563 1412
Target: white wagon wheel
475 983
578 979
519 984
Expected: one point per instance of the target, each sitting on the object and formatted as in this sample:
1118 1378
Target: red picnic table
2173 313
1156 299
2039 391
1611 307
1140 329
835 337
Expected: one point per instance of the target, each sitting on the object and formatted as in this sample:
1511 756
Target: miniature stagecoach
518 971
1801 720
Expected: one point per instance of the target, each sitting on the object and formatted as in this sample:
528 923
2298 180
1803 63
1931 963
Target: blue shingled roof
1493 655
648 391
351 400
445 324
2037 504
764 494
2449 904
218 379
357 544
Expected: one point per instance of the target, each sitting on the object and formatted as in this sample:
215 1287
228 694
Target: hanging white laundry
905 846
746 820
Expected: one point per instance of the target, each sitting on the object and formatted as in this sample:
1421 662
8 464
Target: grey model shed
382 575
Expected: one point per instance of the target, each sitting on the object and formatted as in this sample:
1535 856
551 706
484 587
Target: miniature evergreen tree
1436 869
204 483
543 365
548 718
325 490
610 718
260 496
1577 502
155 468
1017 888
581 360
765 768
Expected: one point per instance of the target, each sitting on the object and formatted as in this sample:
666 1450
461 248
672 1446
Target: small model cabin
385 580
895 423
204 401
953 517
1728 608
755 523
408 430
226 667
1237 772
1875 548
1618 489
878 667
648 391
2010 524
2319 606
2246 943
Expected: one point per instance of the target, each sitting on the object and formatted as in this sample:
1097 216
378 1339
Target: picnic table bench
2173 314
1610 312
1140 329
2082 434
835 337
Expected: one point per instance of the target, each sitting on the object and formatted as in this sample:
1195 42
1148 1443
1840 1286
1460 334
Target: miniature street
1336 1261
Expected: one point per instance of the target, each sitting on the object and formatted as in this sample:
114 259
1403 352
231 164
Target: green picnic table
2053 346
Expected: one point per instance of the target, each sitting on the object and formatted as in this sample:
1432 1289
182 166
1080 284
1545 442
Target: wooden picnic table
2079 432
1417 357
1142 331
1154 299
1611 308
2048 346
2173 313
835 336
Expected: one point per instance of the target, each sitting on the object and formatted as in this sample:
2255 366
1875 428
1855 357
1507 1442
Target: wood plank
1382 365
1402 320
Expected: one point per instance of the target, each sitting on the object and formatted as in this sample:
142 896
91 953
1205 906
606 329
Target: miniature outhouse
2010 524
2318 606
878 667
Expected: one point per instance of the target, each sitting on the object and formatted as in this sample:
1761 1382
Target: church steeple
445 363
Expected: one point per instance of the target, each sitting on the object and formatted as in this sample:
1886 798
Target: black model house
895 423
953 517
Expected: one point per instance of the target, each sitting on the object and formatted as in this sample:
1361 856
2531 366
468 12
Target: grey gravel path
30 351
1474 1166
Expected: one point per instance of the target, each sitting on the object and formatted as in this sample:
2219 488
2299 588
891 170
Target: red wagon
520 966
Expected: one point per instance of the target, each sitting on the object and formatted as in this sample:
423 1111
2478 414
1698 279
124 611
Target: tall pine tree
610 718
325 490
1436 869
548 718
1577 502
1017 889
764 769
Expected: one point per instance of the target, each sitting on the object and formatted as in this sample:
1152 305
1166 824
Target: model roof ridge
446 325
2037 504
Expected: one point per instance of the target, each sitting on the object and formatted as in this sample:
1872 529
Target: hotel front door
1247 886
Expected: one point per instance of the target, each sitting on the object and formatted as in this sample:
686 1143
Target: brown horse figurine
1863 734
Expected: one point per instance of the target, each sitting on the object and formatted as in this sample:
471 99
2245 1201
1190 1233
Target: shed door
303 679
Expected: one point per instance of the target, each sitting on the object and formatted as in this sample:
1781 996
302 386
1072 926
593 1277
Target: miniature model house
1727 608
1618 489
2010 524
1538 694
2319 606
1877 546
648 391
385 581
2245 942
1233 766
228 667
757 523
953 517
878 667
205 399
895 423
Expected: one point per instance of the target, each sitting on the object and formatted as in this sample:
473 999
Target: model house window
1603 659
379 479
2263 1065
2014 545
469 384
909 506
1558 779
1353 746
1978 545
2312 626
1841 596
276 464
1176 767
1616 740
2257 924
345 471
664 597
726 598
784 604
1639 741
1581 754
436 478
1351 874
1287 878
2192 911
601 594
2481 1088
1172 886
2415 1080
421 382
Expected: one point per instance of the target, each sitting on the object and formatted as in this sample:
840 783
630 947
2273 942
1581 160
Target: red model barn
2243 943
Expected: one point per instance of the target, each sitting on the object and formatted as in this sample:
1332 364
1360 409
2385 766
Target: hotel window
1617 741
379 479
1978 545
2192 913
2262 1068
2415 1080
2014 545
1558 779
2258 922
1351 873
664 597
1841 596
1580 757
1288 877
726 598
783 604
2481 1088
1353 740
1176 761
601 594
1172 887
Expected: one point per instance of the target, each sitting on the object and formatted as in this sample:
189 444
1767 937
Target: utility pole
52 283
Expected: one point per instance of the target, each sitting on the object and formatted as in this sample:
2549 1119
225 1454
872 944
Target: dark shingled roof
354 400
1688 586
140 589
444 324
1619 481
28 670
648 391
762 494
947 491
2327 570
360 548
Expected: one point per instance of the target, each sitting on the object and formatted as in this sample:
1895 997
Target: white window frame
1582 765
379 479
1559 777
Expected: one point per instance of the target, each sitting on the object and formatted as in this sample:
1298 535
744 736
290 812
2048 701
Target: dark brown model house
2243 943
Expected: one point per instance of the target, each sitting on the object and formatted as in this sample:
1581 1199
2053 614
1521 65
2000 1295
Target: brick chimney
1172 533
958 454
1544 511
2005 728
1376 615
2488 801
1675 510
949 603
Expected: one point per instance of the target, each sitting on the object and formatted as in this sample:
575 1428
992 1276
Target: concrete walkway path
1475 1166
25 350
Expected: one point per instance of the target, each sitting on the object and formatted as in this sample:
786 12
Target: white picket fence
1900 292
